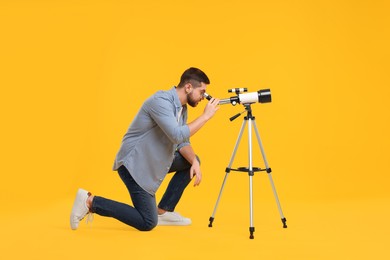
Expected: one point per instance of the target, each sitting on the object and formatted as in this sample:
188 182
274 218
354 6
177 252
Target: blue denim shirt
149 145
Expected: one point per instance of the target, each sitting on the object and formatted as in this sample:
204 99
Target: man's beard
191 101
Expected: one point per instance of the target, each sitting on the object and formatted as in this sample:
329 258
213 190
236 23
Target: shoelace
89 217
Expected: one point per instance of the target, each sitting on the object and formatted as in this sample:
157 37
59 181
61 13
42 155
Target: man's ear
188 88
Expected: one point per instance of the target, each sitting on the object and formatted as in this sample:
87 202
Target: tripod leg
250 173
270 176
251 227
277 200
211 219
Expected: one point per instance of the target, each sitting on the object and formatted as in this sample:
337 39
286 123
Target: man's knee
149 225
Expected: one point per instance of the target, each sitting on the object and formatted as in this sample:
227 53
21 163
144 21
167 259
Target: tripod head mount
248 110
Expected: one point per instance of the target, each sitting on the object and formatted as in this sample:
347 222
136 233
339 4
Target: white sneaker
79 209
173 219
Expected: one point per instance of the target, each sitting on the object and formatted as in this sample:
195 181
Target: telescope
261 96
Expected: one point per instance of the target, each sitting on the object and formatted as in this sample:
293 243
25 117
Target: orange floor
355 229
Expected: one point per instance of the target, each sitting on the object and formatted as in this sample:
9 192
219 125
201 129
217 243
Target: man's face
196 95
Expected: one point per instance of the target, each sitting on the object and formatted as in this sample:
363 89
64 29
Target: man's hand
211 108
195 172
209 111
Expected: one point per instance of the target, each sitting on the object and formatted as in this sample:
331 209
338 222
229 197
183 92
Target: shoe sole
74 220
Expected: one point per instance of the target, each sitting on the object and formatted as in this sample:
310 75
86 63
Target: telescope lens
264 95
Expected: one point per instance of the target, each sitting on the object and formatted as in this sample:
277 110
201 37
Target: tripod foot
284 222
211 219
251 230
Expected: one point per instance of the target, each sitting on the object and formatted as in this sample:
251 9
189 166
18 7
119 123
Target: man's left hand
195 172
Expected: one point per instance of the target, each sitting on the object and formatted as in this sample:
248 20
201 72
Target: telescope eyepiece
207 96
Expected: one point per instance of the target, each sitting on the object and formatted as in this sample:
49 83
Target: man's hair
191 75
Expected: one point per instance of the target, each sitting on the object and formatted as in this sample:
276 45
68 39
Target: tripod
250 170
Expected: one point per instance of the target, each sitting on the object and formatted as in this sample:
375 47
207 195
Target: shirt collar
176 99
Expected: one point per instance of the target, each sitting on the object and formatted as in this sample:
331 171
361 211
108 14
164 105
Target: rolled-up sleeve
181 145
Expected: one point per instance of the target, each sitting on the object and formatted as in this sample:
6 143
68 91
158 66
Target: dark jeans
143 214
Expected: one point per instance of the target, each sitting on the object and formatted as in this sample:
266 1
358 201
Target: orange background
74 73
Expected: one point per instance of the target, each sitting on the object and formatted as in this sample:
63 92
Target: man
157 142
